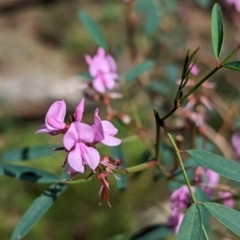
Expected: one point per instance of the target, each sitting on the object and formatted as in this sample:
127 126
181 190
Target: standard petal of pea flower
77 140
54 120
102 68
104 131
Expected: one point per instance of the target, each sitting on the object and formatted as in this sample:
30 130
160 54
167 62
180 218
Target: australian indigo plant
197 190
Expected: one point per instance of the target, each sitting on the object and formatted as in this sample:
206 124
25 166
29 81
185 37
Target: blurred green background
42 48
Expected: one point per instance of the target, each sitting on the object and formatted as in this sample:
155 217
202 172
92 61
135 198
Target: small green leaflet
217 30
232 65
37 210
227 216
138 70
224 166
93 29
191 226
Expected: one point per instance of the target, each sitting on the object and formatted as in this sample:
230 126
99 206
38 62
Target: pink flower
227 199
180 201
236 143
102 68
77 140
54 120
208 177
235 2
194 69
104 131
175 221
180 198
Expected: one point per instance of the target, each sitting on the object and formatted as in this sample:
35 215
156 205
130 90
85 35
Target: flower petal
58 111
97 127
70 137
108 128
112 63
84 132
109 80
55 123
75 160
90 156
98 85
111 141
79 111
88 59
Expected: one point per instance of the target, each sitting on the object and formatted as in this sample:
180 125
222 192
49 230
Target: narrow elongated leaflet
224 166
227 216
217 30
27 153
191 226
37 209
138 70
93 29
29 174
232 65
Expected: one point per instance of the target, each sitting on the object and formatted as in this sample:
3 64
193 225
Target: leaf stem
200 83
162 124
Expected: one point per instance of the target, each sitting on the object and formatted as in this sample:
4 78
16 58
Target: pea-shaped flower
77 141
54 120
102 68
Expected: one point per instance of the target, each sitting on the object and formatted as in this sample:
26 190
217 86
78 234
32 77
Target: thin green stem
170 113
180 162
200 83
79 181
205 232
229 56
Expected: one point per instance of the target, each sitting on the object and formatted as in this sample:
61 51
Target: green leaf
27 153
227 216
224 166
217 30
191 226
232 65
138 70
93 29
37 210
26 173
117 153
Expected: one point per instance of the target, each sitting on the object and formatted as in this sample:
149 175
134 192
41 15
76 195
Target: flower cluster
79 138
180 198
102 68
